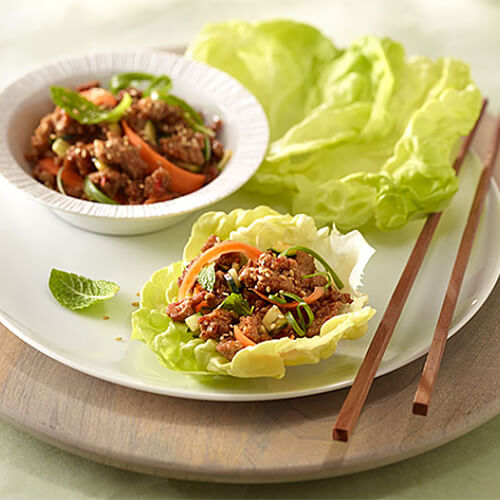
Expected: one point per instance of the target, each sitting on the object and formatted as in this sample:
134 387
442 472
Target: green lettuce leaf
174 344
358 134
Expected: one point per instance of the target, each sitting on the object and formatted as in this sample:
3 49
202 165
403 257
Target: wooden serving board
288 440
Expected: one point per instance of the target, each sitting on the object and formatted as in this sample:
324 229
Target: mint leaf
237 303
84 111
206 277
77 292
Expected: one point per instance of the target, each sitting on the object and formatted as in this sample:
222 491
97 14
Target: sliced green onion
204 130
320 273
59 181
60 146
233 284
225 158
277 298
318 257
292 296
94 194
207 150
307 309
293 323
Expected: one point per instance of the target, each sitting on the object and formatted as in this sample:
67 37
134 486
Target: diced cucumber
99 165
192 322
233 280
60 146
273 319
115 128
150 132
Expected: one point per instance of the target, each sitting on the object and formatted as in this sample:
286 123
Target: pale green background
34 31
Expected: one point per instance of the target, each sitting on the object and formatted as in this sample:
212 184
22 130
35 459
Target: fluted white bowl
213 92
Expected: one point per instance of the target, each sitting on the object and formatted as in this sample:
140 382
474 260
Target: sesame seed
135 303
138 294
105 317
118 338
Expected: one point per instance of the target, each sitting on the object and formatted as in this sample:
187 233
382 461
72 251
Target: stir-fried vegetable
181 180
211 255
206 277
60 146
225 158
94 194
317 256
242 339
190 115
237 303
135 79
84 111
318 292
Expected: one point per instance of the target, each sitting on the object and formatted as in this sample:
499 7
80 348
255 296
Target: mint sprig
78 292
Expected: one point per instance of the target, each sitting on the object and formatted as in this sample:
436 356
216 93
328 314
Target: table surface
465 468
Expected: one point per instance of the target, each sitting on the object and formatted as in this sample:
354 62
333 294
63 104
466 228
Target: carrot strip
213 254
182 181
242 338
201 305
72 178
49 165
99 96
318 292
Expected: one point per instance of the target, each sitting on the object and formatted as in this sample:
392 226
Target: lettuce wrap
178 349
359 134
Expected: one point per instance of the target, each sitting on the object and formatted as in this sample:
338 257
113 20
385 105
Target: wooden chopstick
353 404
430 372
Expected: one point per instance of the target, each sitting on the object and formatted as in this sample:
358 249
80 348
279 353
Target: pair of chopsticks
353 404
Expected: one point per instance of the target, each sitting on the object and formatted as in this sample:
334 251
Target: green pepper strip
293 323
192 117
133 79
328 268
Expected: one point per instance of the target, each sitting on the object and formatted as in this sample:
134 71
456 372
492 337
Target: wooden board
252 442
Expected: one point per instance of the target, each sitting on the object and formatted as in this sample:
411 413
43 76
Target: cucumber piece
192 322
99 165
274 319
150 132
60 146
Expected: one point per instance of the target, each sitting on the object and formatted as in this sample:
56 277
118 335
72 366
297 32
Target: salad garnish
77 292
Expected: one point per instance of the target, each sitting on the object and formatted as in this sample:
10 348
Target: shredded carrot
99 96
49 165
213 254
313 297
243 339
72 178
182 181
201 305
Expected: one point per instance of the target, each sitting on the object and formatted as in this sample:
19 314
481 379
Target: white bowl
213 92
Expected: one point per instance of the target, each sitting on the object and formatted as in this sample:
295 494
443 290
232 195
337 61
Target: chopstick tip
340 434
420 408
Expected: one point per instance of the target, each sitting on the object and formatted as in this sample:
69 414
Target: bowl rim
225 92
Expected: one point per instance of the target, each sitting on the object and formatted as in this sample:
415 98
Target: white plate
36 240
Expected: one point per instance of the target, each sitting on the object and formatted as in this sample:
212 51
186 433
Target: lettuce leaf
359 134
262 227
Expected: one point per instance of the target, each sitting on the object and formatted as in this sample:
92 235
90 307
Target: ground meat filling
103 154
270 274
